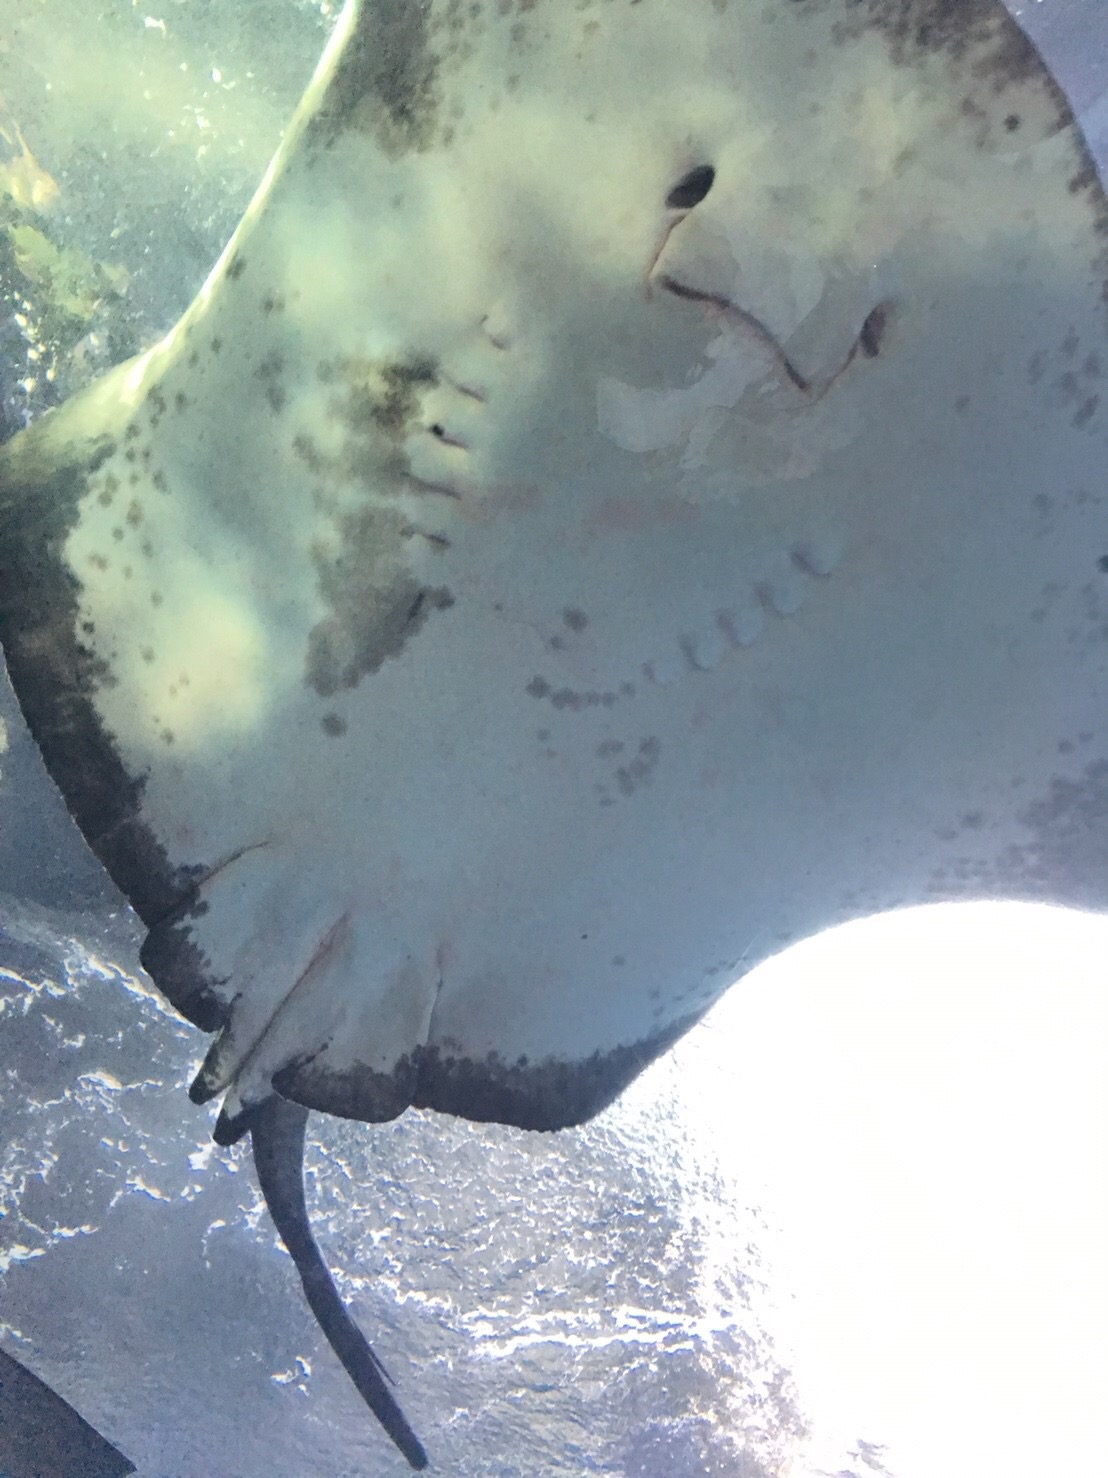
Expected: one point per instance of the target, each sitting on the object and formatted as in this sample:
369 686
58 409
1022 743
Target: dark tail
277 1130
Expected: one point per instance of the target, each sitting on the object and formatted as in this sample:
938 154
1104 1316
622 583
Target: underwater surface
598 1301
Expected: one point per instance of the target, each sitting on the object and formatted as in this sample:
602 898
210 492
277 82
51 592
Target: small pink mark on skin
483 503
629 515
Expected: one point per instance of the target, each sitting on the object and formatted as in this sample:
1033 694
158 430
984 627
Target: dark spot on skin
576 620
1102 564
333 724
236 268
640 770
134 513
168 736
180 400
130 432
117 534
157 402
1086 413
98 562
194 359
156 598
691 189
273 303
159 481
269 372
306 449
217 344
538 687
1012 122
148 654
130 454
104 498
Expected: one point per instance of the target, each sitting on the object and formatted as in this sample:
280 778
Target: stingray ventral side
600 520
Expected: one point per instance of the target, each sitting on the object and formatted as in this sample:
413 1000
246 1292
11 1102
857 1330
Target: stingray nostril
691 188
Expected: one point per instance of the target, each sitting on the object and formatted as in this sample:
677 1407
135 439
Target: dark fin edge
277 1130
41 1433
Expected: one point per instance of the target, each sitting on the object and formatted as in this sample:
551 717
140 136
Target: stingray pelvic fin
277 1130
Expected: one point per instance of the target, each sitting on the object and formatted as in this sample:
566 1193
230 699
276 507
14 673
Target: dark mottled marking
58 676
386 83
333 724
235 268
576 620
376 605
544 1095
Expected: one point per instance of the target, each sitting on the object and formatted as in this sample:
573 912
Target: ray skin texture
630 495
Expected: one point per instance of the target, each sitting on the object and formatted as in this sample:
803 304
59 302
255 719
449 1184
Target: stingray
630 494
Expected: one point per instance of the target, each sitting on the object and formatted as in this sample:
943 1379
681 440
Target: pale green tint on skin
824 602
536 605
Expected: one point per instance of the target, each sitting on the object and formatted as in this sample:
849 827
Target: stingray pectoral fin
277 1130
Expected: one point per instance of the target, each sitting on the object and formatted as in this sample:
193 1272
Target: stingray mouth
867 343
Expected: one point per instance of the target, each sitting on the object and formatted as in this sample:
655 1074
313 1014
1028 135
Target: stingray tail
277 1130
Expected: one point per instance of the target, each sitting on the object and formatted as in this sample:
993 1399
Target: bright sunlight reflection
919 1105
